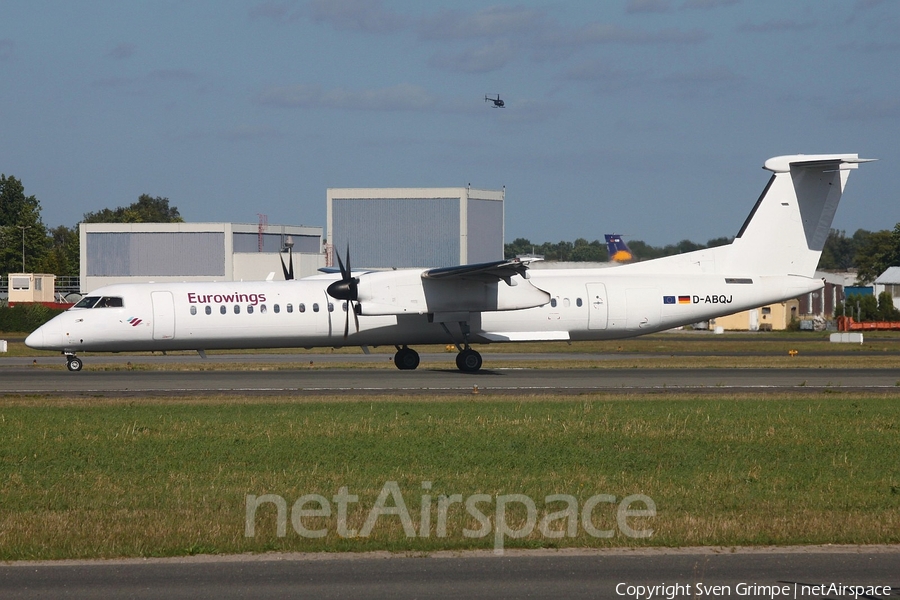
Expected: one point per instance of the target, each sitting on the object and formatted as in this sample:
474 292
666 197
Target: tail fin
618 249
787 228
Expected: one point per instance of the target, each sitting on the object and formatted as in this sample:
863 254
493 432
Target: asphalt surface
542 574
599 574
20 376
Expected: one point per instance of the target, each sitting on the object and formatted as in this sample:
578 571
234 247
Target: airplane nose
36 339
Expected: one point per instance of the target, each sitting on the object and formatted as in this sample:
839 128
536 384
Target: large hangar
416 227
140 252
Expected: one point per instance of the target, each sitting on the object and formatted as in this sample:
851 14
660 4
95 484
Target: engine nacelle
406 292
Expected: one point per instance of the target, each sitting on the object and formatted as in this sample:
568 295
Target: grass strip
165 477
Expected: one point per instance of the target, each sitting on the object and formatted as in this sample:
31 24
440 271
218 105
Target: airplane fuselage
584 304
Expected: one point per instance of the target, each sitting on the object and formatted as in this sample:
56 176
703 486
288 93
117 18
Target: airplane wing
488 272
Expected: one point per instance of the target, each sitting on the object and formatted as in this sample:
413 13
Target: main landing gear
406 358
467 361
73 363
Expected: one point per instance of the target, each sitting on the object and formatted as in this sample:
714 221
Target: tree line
870 252
25 237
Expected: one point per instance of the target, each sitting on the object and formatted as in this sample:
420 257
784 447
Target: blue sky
649 118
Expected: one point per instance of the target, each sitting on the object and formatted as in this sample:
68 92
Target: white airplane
773 258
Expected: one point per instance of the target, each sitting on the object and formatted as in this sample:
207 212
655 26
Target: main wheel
468 361
74 364
406 359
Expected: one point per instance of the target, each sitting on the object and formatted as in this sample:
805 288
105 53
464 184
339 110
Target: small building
821 303
889 282
31 287
416 227
141 252
772 317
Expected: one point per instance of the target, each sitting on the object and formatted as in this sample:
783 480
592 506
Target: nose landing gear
73 363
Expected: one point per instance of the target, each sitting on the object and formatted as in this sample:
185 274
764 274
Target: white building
889 281
141 252
416 227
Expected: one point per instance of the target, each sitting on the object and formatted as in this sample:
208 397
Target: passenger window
290 308
209 310
301 307
578 302
262 308
237 309
193 310
249 309
344 306
276 308
553 302
223 309
330 307
315 307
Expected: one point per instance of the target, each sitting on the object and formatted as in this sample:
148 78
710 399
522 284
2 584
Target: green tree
860 307
878 251
886 310
62 255
20 223
585 251
146 210
719 241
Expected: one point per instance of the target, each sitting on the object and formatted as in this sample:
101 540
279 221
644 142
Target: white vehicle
773 258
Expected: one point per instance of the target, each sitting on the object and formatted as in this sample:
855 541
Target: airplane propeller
346 289
289 269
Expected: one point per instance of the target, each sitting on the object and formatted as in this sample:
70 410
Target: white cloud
708 4
274 11
603 33
866 109
366 16
7 47
121 51
491 22
648 6
174 75
480 59
402 97
776 25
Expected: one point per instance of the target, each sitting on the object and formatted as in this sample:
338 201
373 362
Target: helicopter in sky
498 103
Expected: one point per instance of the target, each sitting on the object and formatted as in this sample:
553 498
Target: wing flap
499 270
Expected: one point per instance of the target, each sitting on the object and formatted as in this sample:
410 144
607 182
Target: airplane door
163 315
598 309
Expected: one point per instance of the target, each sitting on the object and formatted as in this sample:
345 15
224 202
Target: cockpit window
110 302
87 302
100 302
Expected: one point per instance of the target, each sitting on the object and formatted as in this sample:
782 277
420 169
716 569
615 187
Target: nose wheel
73 363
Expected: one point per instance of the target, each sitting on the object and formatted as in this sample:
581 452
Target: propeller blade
349 271
288 271
345 274
355 316
347 321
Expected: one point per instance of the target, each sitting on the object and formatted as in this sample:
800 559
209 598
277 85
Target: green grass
124 477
